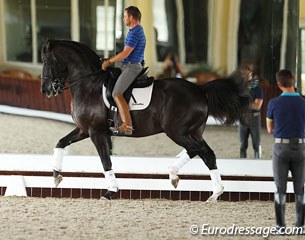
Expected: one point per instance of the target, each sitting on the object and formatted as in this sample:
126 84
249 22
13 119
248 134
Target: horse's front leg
74 136
100 140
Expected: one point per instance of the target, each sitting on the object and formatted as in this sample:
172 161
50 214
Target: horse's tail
228 98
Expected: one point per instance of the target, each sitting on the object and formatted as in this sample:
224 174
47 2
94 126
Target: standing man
253 125
131 58
286 121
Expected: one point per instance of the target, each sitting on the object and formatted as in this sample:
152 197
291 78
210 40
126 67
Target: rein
72 83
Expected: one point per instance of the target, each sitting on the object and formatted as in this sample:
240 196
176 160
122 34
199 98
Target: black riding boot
279 204
256 155
243 153
300 210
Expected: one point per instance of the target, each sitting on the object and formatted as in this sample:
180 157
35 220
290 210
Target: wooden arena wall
25 93
138 178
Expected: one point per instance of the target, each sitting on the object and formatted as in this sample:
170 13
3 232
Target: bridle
59 83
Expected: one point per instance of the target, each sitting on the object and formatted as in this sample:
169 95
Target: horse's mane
79 47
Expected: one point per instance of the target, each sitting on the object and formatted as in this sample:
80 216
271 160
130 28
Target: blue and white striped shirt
135 39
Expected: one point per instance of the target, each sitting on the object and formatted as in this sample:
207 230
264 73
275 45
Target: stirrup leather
125 129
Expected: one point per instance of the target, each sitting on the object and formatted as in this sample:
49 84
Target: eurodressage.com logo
206 229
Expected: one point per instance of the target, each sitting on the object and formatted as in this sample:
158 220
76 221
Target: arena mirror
217 36
222 34
208 36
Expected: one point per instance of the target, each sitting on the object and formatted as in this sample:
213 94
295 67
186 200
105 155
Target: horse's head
54 73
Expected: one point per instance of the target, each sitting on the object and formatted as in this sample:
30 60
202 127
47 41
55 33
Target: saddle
140 81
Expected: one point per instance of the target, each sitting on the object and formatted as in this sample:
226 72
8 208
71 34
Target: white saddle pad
142 97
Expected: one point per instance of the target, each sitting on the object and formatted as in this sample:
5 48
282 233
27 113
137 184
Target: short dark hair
134 11
285 78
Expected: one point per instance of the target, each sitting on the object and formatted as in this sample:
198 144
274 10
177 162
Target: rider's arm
122 55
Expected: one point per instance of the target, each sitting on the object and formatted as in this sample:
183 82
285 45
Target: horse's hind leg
209 158
74 136
183 158
196 146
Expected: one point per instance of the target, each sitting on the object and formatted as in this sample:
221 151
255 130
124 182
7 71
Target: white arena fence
21 172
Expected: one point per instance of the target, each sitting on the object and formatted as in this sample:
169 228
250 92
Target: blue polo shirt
256 93
135 39
288 113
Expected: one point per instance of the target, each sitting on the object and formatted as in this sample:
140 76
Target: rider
131 58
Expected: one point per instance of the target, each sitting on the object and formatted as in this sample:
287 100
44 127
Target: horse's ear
49 44
47 47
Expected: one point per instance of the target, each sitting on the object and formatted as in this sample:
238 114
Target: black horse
178 107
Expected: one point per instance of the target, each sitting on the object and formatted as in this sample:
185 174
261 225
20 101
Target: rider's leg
126 127
129 72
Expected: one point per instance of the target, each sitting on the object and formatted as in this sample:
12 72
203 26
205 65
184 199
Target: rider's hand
105 64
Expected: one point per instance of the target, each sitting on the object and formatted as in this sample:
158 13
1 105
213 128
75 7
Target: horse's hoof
175 182
107 195
57 180
212 199
172 170
215 196
104 198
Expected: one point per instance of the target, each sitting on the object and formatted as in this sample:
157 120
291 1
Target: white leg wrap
111 181
216 180
217 185
58 159
176 166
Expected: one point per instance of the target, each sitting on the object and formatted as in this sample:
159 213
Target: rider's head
132 13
